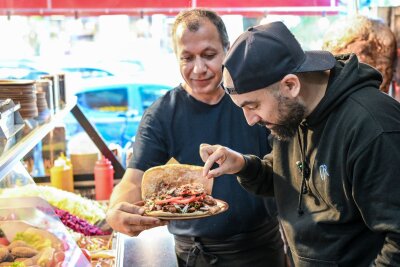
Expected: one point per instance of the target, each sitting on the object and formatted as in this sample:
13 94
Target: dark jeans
263 247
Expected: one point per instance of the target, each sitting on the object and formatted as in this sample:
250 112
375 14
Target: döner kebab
178 190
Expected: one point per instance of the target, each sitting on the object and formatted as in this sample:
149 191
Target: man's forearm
125 192
256 176
128 189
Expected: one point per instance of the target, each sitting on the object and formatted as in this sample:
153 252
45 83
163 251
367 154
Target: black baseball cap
264 54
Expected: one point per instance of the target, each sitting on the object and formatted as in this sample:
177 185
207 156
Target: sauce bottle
70 173
103 178
61 175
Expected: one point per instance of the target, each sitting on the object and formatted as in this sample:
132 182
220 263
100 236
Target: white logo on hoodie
323 172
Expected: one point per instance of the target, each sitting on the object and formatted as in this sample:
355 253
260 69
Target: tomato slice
4 241
185 200
167 200
179 200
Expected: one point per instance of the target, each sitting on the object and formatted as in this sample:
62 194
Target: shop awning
97 7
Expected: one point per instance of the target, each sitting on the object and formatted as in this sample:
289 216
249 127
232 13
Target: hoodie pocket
307 262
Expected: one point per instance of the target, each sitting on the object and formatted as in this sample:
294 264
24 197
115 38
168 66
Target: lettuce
87 209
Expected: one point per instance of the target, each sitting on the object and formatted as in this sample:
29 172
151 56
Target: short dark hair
192 19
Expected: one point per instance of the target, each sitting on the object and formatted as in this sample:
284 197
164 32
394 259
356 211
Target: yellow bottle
70 176
61 175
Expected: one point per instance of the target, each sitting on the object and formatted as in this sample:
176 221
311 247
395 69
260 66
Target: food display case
44 208
29 210
25 140
35 236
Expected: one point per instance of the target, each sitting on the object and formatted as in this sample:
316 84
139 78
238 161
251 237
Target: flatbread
160 213
175 175
220 207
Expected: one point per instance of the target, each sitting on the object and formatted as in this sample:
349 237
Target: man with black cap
334 168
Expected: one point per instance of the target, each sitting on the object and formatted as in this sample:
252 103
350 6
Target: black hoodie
348 213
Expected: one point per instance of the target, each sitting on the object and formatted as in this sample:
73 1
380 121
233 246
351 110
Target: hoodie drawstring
304 170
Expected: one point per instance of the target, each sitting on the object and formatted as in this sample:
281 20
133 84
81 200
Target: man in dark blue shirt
174 127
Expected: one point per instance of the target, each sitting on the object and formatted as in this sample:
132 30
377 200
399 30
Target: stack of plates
42 107
41 101
45 86
23 92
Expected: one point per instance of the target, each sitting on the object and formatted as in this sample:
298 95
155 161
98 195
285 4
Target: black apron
262 247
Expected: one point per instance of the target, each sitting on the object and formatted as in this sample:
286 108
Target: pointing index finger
216 156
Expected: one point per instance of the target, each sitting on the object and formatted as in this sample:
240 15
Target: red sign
110 4
263 3
23 4
98 7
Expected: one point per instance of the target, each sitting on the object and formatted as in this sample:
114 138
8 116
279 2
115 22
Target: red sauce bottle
103 178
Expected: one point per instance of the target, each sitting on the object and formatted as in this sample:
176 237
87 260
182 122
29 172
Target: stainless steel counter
152 248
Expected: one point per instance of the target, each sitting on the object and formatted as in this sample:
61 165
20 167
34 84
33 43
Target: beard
291 115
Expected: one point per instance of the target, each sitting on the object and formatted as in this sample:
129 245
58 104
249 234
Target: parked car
32 69
114 105
20 69
86 69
